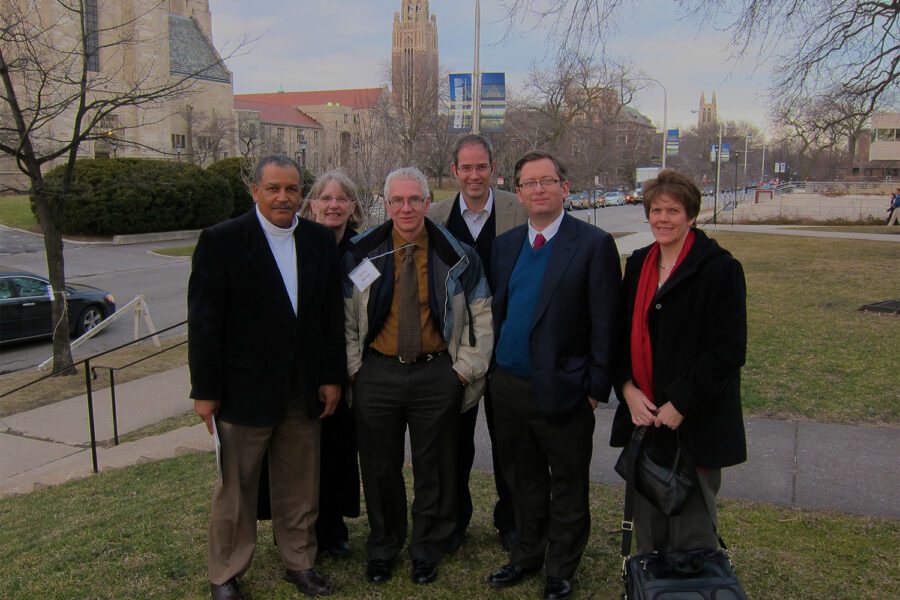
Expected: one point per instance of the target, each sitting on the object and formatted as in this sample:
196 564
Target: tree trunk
48 213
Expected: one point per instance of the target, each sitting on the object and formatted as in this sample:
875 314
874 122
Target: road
129 270
126 271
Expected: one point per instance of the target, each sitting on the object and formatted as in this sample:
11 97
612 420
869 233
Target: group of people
310 345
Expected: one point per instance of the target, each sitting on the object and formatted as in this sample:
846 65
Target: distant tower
414 55
707 114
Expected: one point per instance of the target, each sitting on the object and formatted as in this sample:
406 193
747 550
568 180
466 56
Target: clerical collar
275 230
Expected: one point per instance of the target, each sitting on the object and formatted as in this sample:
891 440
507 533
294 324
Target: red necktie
539 240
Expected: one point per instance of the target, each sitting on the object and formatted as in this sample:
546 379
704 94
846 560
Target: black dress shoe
423 571
557 588
508 576
308 582
225 591
340 549
378 570
508 539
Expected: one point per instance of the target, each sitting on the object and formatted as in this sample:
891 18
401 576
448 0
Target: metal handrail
89 373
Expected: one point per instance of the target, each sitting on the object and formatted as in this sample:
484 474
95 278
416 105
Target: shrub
236 171
135 195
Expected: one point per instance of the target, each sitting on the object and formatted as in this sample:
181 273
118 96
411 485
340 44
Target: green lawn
15 211
176 250
141 533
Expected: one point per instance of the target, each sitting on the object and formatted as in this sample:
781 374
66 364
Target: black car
25 311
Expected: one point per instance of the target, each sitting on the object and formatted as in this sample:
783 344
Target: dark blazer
575 321
698 330
246 348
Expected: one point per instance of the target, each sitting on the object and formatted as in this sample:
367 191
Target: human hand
206 410
329 395
643 411
462 379
669 416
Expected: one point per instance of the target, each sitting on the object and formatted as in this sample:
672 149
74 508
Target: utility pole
476 74
718 173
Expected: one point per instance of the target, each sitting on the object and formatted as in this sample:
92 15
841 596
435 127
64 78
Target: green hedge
234 170
134 195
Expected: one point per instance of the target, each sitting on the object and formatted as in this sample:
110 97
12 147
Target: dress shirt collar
549 231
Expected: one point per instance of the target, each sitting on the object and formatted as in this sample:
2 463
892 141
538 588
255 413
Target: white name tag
364 275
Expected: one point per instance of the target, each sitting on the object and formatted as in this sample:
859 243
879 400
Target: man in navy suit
267 359
556 300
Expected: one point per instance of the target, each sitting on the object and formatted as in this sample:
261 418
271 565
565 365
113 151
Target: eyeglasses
338 199
544 183
413 201
469 169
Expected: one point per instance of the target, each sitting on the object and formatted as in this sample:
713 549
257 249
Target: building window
299 136
886 135
279 134
204 143
179 141
315 137
91 37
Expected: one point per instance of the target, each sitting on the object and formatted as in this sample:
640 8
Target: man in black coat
266 355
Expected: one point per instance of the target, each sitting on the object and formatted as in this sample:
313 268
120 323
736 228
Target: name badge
364 275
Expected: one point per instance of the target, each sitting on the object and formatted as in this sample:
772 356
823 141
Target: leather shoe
339 549
557 588
378 570
423 571
508 576
508 539
308 582
225 591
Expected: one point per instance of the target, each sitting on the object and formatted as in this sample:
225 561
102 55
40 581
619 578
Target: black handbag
665 487
704 574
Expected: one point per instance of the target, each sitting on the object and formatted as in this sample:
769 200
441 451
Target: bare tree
841 49
63 78
249 133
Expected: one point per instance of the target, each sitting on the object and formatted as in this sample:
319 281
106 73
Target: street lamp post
303 144
476 74
718 173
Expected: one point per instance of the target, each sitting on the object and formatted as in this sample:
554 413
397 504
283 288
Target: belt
422 358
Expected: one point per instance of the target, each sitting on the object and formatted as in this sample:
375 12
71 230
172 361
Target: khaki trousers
293 447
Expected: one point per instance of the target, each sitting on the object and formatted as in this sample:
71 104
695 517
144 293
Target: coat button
658 306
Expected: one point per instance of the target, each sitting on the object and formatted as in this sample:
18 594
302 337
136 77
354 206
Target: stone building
706 115
414 56
143 44
330 122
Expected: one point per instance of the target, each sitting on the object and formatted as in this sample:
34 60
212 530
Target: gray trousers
690 530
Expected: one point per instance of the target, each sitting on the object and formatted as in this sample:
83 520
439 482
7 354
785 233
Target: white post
718 175
476 74
762 168
746 141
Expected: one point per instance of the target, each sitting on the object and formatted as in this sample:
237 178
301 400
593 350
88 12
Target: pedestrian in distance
893 213
682 351
267 360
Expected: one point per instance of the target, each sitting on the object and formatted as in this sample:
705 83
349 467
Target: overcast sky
319 44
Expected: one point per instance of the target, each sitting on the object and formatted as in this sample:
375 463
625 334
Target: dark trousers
388 397
691 529
504 519
546 465
339 480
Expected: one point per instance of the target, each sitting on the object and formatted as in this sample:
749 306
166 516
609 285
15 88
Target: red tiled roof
355 98
276 113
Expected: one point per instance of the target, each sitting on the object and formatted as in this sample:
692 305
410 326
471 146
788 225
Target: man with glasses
418 333
476 216
555 306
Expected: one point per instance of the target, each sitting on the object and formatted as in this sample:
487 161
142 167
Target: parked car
613 199
25 311
634 197
572 202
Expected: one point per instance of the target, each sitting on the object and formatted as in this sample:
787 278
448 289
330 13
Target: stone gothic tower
414 56
706 116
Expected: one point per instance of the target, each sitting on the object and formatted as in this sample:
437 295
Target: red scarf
641 349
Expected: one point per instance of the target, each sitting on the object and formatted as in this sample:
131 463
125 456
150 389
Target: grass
15 212
811 353
54 389
176 250
140 533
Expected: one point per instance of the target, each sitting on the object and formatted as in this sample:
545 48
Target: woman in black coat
682 352
334 202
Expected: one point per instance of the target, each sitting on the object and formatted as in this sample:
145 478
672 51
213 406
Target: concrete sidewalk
799 464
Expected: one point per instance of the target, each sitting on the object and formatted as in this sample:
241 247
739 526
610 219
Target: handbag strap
632 451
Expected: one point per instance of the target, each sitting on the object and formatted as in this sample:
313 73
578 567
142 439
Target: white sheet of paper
364 275
218 444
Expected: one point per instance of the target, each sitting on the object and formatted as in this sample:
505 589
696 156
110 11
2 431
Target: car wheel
89 318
